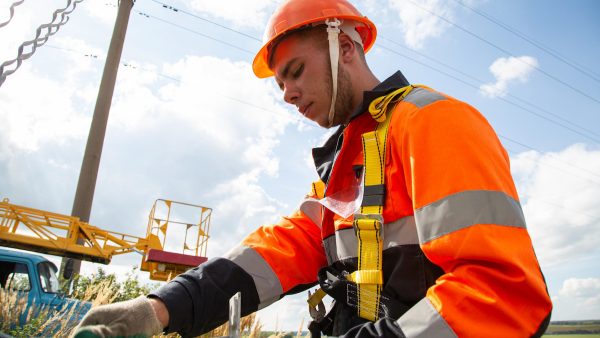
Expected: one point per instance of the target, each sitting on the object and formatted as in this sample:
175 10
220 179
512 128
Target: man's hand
137 317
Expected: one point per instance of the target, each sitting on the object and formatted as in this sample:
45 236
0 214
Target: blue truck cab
34 277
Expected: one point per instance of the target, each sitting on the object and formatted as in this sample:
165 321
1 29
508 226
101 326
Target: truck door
15 276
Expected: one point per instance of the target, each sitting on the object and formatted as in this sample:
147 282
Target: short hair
317 33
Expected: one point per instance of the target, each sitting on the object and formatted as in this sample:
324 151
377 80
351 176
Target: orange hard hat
294 14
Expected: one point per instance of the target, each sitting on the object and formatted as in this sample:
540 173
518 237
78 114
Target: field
574 329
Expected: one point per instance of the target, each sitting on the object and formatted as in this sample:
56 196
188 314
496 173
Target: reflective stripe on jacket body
456 249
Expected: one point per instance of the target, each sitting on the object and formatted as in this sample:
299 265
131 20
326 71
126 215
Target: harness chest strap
368 224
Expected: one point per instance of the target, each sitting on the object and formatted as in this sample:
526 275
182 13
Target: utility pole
84 196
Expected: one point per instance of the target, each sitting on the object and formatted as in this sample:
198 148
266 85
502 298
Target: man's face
303 73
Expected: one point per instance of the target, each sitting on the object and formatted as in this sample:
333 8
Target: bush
106 289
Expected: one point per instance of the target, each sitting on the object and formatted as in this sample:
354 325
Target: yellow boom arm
55 234
51 233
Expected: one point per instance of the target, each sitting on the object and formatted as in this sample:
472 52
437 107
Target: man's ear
347 48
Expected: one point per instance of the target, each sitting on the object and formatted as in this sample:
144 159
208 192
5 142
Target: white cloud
213 91
35 110
560 194
291 309
417 21
221 136
104 11
507 71
582 291
581 288
241 13
250 205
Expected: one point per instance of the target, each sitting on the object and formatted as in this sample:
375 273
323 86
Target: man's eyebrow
286 68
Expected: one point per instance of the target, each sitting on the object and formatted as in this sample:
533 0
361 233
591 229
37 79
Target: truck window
14 276
48 278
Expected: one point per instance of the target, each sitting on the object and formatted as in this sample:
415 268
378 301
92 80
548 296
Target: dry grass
250 327
40 320
12 305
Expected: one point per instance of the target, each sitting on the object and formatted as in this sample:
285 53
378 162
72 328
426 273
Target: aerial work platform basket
194 220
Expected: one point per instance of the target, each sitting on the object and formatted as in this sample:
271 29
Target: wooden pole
84 195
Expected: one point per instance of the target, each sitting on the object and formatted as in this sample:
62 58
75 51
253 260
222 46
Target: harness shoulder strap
368 224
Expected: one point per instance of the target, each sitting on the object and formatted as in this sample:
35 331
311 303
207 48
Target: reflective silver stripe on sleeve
343 244
313 210
267 284
423 321
463 209
422 97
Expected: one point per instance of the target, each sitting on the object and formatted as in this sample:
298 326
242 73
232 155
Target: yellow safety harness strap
368 224
316 297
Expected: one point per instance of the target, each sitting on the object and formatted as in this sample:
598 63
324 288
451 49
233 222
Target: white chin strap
333 32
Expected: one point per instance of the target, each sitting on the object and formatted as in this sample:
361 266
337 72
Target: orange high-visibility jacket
450 195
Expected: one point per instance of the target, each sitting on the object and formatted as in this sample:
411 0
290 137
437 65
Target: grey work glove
130 318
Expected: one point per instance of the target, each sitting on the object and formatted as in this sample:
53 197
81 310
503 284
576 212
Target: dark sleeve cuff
198 300
385 327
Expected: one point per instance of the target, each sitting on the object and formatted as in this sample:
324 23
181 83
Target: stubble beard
343 102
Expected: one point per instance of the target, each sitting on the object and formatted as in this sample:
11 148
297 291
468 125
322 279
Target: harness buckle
376 217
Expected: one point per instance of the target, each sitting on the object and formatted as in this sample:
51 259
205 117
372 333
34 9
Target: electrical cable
595 218
567 163
12 12
506 52
193 31
481 82
597 140
174 9
302 120
539 45
131 66
39 40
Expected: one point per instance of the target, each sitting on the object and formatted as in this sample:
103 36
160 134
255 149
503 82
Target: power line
506 52
417 61
501 98
573 64
194 32
594 218
595 139
12 12
567 163
481 82
129 65
51 29
168 77
178 10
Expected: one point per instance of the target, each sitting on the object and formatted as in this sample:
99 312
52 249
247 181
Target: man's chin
324 124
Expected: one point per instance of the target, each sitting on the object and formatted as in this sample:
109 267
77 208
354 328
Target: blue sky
189 122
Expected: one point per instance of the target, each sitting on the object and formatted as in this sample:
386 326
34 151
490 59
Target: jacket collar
325 155
397 80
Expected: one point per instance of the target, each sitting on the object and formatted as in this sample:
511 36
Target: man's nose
291 94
